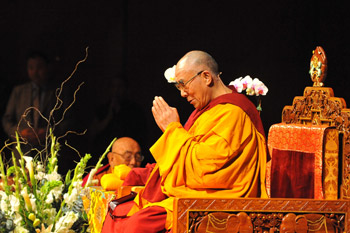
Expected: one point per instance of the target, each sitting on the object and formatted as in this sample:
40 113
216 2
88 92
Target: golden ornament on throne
318 66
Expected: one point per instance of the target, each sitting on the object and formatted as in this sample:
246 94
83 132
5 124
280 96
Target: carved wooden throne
314 129
317 115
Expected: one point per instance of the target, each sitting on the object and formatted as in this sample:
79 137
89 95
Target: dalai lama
219 153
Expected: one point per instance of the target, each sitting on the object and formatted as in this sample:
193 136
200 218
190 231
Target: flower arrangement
39 200
251 87
34 197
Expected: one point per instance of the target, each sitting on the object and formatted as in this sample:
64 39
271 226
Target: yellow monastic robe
221 156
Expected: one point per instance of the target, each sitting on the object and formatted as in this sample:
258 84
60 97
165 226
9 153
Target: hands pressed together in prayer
164 114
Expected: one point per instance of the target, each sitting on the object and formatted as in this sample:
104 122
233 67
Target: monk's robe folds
222 155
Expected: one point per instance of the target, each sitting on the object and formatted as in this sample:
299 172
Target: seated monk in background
126 151
219 153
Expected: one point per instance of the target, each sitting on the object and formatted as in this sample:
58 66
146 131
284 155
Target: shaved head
199 75
198 60
121 148
124 144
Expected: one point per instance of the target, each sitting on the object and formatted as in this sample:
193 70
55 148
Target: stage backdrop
137 40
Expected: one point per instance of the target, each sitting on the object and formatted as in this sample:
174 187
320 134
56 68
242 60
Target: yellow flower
26 199
31 216
36 222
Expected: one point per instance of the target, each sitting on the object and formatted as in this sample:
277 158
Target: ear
109 156
208 78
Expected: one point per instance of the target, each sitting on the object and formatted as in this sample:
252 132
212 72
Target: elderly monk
219 153
125 150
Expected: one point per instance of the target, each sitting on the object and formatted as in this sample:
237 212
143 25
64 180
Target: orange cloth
113 181
222 155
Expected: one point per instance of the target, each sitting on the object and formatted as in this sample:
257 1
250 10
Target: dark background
138 40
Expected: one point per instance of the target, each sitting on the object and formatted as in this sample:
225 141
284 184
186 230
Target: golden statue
318 66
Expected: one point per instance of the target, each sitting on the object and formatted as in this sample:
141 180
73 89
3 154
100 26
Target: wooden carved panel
345 187
261 215
331 164
233 222
318 106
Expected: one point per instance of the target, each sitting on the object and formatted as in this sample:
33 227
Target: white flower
29 165
40 175
64 224
53 176
9 204
3 204
40 171
251 86
51 214
247 82
70 199
20 229
54 193
17 219
14 202
237 84
49 198
259 87
78 183
40 167
170 74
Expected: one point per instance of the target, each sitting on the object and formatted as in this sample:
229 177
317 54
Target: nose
132 161
184 93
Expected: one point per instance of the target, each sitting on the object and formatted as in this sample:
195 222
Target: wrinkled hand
164 114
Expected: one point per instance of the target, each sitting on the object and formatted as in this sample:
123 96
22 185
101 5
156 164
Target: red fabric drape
148 220
292 174
138 176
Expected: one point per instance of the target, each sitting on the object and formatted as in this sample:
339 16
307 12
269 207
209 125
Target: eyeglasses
180 85
128 156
